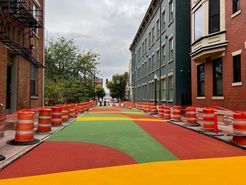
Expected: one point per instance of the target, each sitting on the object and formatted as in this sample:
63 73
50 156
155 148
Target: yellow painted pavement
222 171
117 112
117 119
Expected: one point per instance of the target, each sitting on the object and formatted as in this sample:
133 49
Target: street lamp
155 78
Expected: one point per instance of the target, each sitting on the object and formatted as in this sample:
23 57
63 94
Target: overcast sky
104 26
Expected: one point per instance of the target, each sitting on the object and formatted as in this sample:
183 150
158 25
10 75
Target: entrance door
8 92
11 90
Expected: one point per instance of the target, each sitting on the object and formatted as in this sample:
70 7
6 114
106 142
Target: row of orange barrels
47 117
208 122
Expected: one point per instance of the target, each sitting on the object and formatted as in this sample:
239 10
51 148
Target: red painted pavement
186 144
53 157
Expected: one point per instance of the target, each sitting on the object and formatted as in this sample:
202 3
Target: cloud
104 26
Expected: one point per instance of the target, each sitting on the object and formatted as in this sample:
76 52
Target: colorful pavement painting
114 137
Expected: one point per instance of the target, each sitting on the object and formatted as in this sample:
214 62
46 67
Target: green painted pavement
103 115
125 136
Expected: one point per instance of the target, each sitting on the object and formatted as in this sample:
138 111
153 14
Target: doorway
11 90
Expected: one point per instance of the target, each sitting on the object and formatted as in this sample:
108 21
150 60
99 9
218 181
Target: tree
69 73
117 86
100 92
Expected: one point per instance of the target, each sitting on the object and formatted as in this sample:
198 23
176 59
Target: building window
214 16
34 81
237 68
164 89
35 15
170 11
201 80
235 6
163 25
145 45
158 28
149 65
198 27
164 54
153 62
170 88
150 39
218 77
171 49
153 34
157 59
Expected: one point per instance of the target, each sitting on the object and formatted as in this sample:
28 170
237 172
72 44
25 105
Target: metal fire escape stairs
18 21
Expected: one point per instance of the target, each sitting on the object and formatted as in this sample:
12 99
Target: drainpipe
160 54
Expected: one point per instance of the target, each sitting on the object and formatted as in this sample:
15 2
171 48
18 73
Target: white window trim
201 98
236 84
236 14
218 98
235 53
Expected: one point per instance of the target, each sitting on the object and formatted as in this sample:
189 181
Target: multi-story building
160 54
21 54
218 53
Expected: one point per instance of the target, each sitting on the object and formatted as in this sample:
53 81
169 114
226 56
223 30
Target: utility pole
160 53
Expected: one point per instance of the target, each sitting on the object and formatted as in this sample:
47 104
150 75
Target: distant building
218 53
129 87
21 54
99 82
160 54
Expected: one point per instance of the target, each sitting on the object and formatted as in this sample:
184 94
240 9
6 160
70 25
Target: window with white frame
170 88
157 59
150 39
164 89
153 62
171 11
235 6
34 81
163 15
153 35
158 28
171 48
198 26
163 54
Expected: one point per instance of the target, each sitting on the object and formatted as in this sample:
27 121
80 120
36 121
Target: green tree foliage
100 92
69 74
117 86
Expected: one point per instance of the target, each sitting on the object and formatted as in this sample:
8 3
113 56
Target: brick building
218 53
21 54
160 54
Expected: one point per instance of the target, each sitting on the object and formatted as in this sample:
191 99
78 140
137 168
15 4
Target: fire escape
18 21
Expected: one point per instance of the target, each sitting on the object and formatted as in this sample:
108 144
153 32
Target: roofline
141 25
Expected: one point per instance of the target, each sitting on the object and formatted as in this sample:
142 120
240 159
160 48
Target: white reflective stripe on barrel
190 118
44 125
240 122
208 122
44 117
25 121
208 115
24 132
64 116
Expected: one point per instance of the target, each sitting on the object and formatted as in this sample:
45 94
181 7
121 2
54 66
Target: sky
106 27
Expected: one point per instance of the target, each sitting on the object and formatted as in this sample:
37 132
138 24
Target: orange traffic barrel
191 115
25 129
176 113
153 109
56 116
44 120
71 111
166 114
65 116
239 125
161 111
239 128
208 119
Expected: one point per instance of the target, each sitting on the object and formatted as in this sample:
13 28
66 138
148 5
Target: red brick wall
234 97
24 100
3 73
